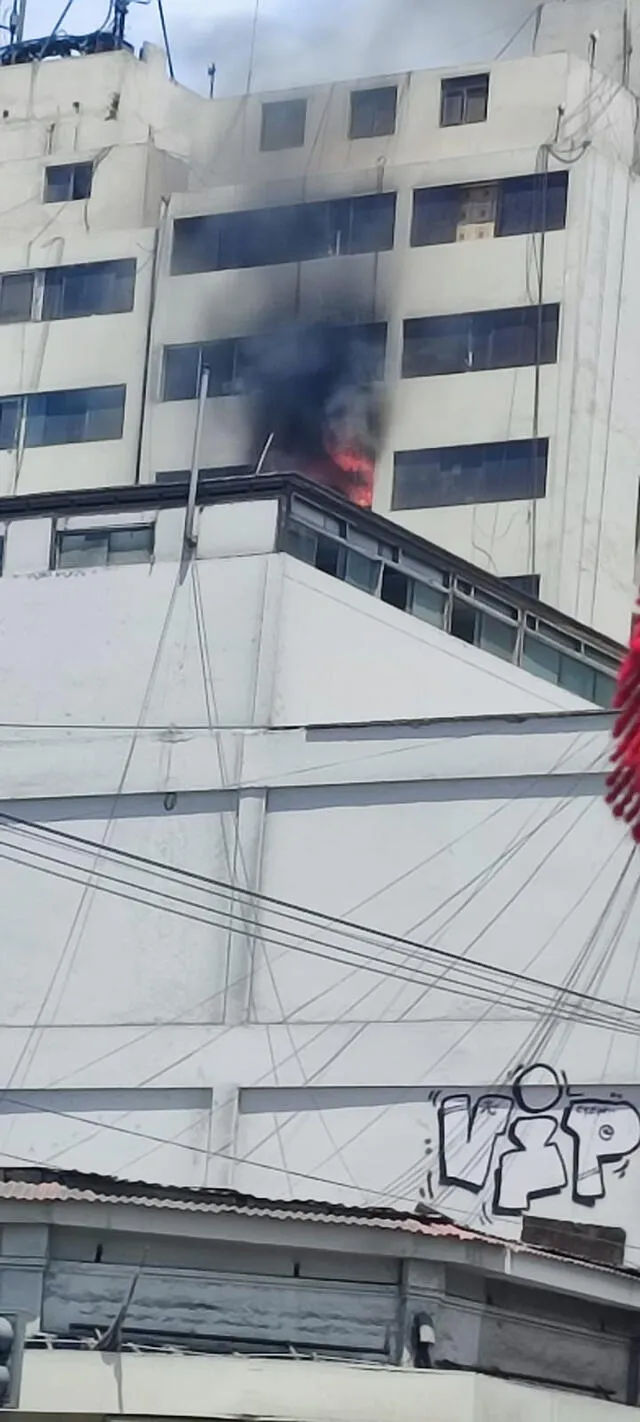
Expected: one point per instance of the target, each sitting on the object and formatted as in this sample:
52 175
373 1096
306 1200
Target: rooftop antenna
16 21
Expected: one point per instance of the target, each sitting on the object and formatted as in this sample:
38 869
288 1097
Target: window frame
477 335
314 230
83 166
359 99
481 471
298 109
31 413
465 84
102 535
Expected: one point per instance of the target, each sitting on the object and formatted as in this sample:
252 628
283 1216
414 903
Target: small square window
68 182
16 296
464 100
283 125
373 112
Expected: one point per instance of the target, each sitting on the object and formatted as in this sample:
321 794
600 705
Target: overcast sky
307 41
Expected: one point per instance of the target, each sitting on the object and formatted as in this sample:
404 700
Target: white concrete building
412 205
230 1306
293 708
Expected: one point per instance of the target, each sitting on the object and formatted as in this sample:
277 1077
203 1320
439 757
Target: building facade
140 1301
307 887
475 230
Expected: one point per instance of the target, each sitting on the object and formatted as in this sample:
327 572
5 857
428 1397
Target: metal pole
189 538
17 23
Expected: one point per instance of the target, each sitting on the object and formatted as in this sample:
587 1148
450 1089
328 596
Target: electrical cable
473 978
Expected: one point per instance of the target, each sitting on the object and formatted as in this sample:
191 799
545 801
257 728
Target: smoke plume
319 403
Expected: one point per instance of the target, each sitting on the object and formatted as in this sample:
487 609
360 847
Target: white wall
249 718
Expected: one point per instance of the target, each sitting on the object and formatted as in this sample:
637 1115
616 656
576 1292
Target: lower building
191 1303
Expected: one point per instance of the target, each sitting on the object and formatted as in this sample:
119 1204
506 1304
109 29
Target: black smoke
318 401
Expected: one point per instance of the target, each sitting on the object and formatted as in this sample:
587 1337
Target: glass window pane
604 689
93 288
196 243
16 296
497 636
219 358
361 572
534 203
577 677
373 112
464 100
181 372
283 124
436 345
436 212
73 416
9 423
371 224
468 474
539 658
131 545
68 182
429 604
82 550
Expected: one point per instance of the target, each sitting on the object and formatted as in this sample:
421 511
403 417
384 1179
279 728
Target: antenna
16 21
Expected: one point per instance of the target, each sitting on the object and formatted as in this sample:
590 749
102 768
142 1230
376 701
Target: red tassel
622 792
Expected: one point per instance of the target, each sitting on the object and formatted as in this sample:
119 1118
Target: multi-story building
301 892
477 229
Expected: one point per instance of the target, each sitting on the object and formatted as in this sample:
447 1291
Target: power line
477 978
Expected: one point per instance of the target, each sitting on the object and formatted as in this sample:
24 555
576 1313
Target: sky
306 41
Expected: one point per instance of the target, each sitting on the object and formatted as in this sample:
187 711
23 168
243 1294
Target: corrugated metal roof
67 1187
61 1187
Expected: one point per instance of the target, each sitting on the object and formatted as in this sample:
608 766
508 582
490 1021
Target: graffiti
536 1139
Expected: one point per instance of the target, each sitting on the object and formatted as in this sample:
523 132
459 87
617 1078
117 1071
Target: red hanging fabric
623 780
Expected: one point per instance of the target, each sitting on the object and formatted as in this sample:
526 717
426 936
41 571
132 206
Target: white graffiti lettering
534 1141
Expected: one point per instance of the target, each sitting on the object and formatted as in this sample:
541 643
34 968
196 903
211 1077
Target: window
481 340
75 416
16 296
268 236
231 362
528 583
9 422
283 125
182 476
68 182
513 206
101 547
183 367
373 112
92 289
470 474
464 100
537 203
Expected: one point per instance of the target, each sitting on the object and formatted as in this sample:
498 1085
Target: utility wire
471 977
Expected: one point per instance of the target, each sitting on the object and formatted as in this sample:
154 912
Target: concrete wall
249 719
313 1392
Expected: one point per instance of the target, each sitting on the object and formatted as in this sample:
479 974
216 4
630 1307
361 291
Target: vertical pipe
195 461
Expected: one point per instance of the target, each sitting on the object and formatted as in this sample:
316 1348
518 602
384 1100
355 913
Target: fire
360 471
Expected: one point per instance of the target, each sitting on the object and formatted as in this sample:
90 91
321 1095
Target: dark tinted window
537 203
9 423
373 112
470 474
269 236
464 100
16 296
68 182
75 416
97 547
482 340
283 125
230 362
92 289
